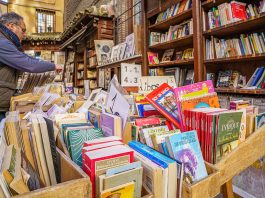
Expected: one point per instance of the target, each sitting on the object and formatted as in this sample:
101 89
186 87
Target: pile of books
28 81
170 55
173 33
28 151
176 9
245 44
227 13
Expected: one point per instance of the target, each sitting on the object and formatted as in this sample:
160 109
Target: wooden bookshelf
181 42
136 58
173 63
164 25
240 91
245 64
245 58
237 27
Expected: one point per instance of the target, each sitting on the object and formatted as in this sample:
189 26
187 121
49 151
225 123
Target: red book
97 162
99 146
238 10
147 121
163 99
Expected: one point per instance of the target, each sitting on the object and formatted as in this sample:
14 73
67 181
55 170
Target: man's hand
58 68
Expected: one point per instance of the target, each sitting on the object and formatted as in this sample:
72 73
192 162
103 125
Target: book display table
221 174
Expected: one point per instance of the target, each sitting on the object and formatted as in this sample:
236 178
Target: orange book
182 6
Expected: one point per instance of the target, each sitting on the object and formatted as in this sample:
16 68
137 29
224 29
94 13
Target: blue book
185 147
257 76
151 154
163 144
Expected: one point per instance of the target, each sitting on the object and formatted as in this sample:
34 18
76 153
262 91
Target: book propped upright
163 99
185 147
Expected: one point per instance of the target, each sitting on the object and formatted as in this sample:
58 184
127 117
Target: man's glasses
22 29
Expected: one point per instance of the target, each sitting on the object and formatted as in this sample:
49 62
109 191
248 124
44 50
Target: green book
228 131
76 139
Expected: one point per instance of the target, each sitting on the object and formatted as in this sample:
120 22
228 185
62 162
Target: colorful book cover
76 139
201 102
147 132
153 58
163 99
147 121
229 124
194 90
94 118
185 147
122 191
109 125
97 162
259 120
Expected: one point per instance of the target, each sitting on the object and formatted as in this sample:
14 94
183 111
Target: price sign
130 74
150 83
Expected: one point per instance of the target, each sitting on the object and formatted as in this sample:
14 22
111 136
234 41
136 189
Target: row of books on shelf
176 9
182 76
250 44
234 79
227 13
170 55
173 33
106 51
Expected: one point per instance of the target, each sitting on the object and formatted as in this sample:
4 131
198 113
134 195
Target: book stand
221 174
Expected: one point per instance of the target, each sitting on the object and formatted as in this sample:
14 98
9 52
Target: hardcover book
163 99
185 147
97 162
194 90
76 139
122 191
259 120
134 175
167 56
111 125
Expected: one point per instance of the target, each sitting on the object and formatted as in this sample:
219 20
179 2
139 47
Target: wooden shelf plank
255 57
241 91
181 42
208 4
164 25
173 63
136 58
92 67
238 27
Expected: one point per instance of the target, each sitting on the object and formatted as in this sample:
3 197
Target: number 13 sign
130 74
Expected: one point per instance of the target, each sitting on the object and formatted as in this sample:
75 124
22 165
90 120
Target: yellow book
122 191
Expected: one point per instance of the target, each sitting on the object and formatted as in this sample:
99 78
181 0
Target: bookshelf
179 44
79 37
247 64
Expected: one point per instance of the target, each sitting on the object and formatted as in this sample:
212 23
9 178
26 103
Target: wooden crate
74 183
207 187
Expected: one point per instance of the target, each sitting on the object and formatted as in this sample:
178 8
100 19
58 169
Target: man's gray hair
10 17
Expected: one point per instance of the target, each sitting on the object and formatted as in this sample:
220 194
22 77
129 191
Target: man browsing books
13 60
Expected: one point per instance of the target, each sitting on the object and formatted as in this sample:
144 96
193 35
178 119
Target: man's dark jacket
13 61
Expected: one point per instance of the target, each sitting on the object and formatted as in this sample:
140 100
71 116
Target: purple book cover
194 90
107 124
